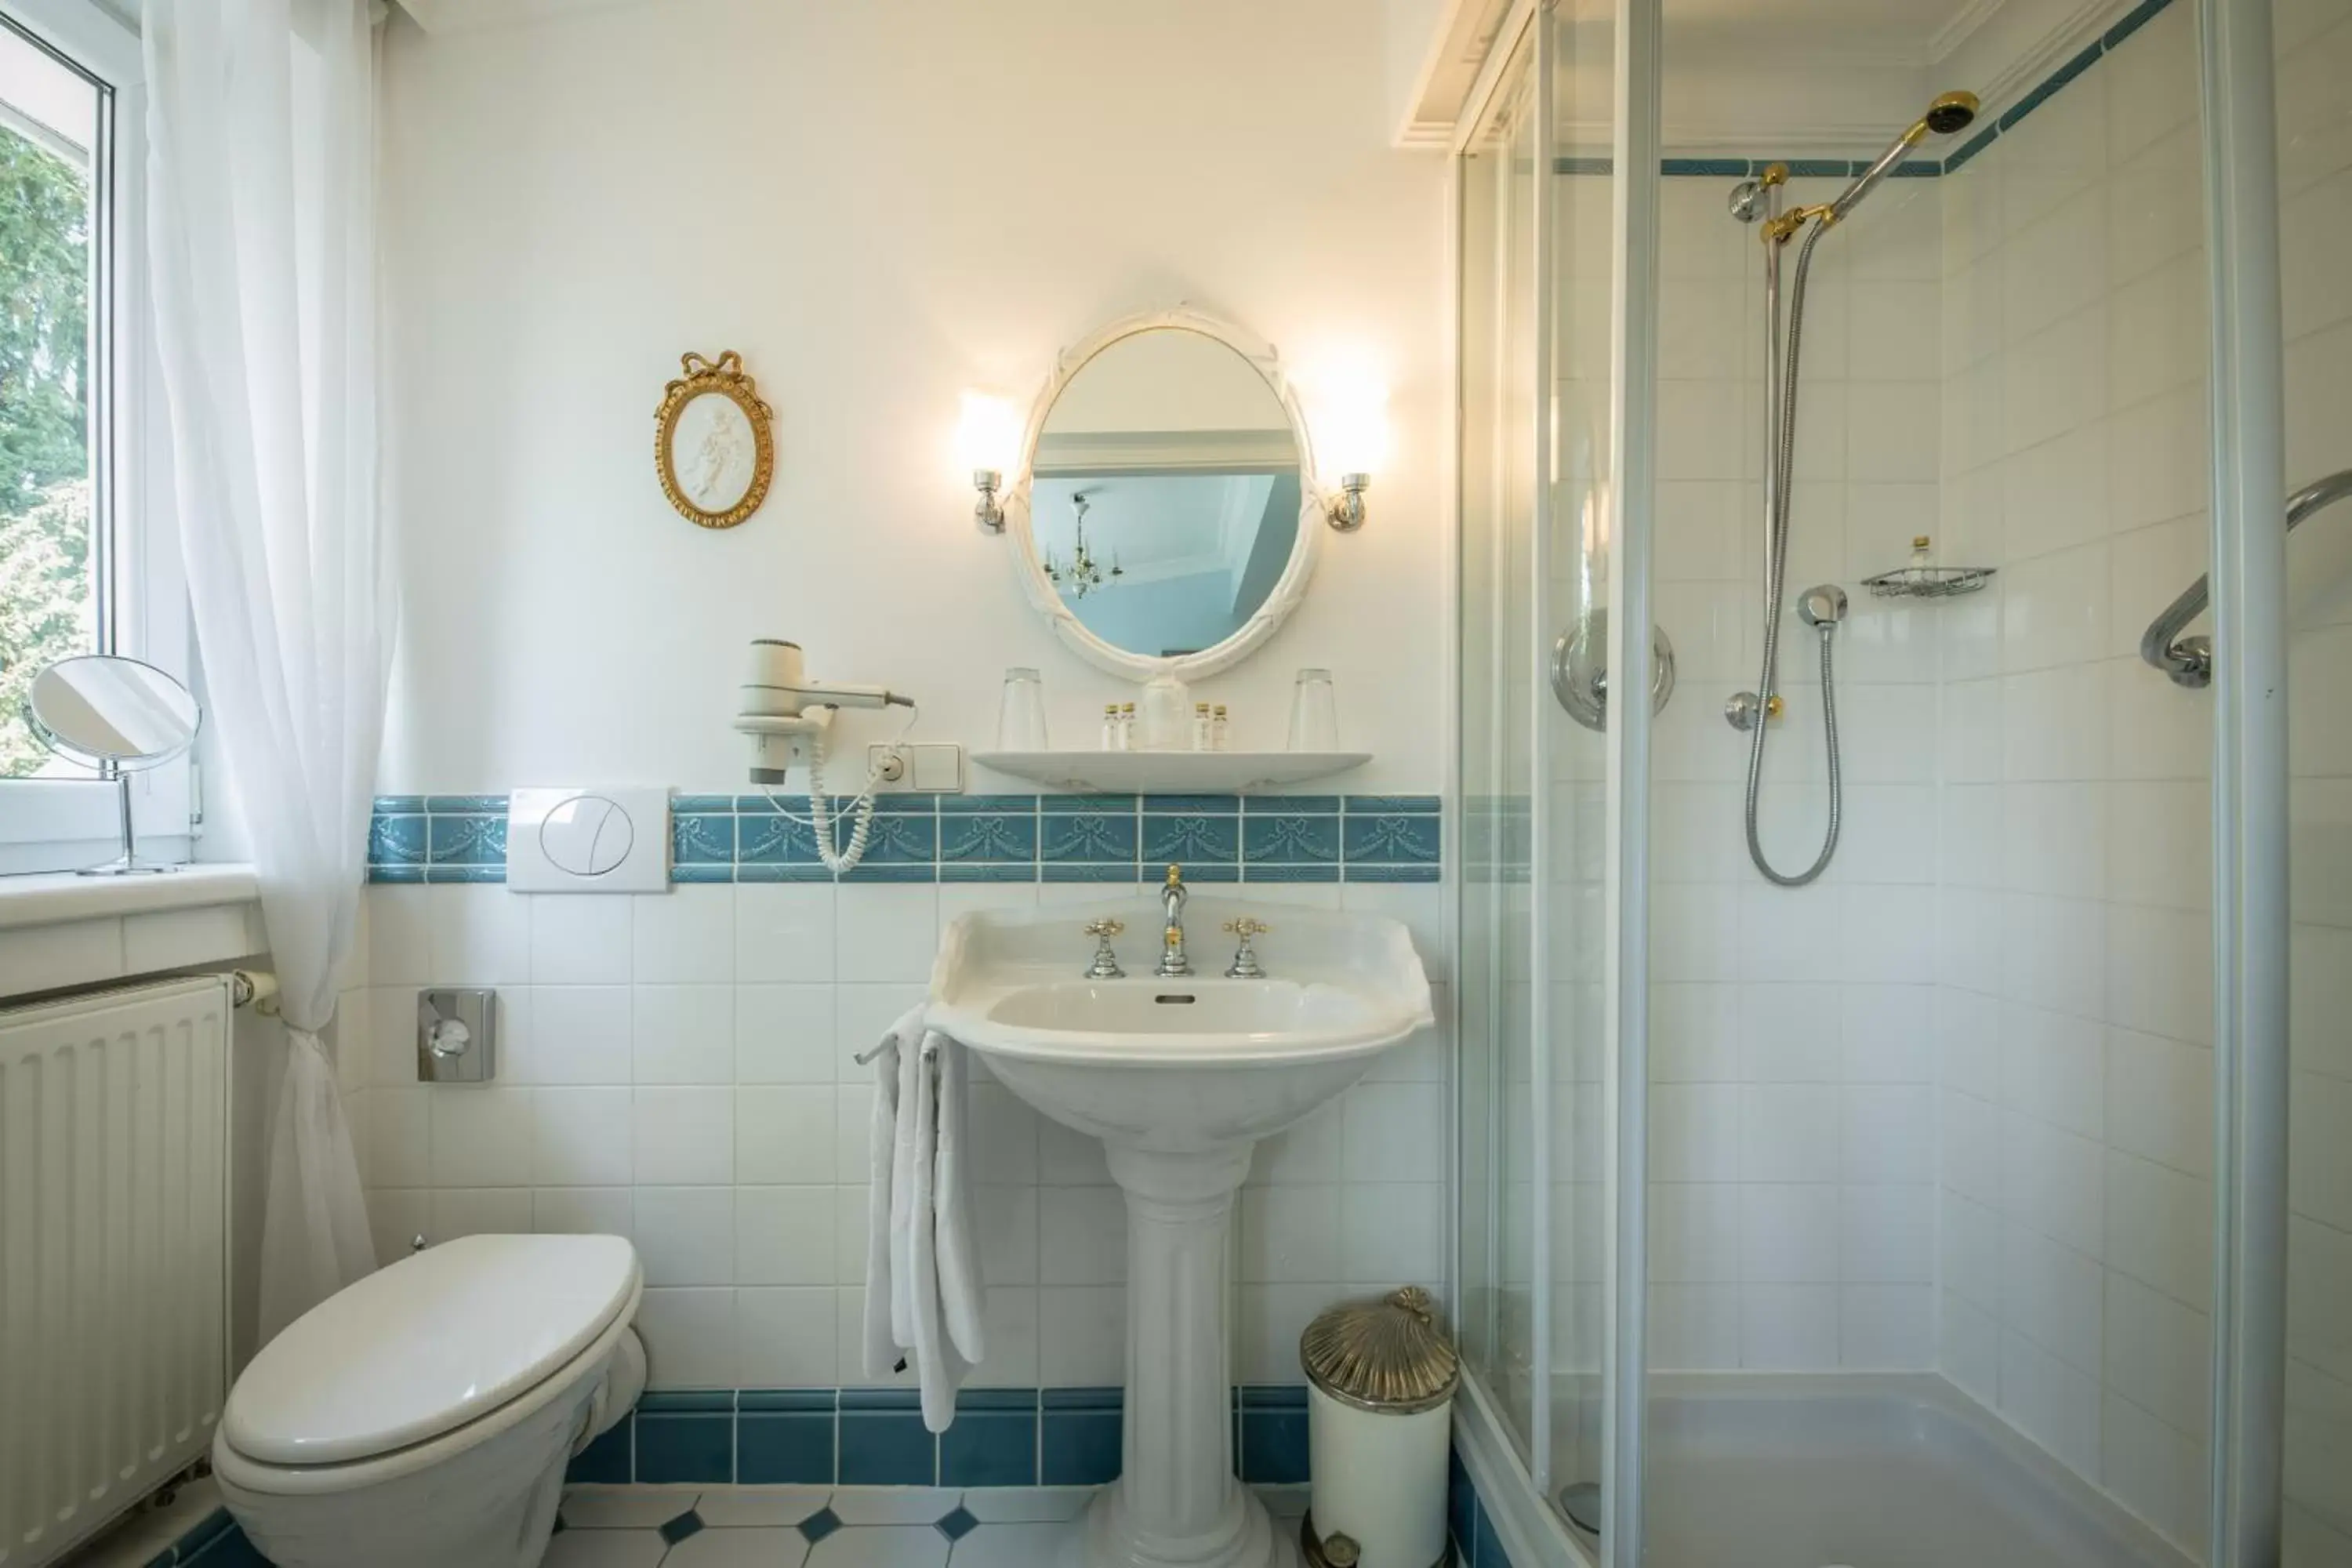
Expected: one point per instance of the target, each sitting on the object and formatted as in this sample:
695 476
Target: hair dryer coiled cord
820 819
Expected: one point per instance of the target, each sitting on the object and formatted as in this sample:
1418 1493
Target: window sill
52 898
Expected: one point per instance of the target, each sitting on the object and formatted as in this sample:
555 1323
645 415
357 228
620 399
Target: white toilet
426 1414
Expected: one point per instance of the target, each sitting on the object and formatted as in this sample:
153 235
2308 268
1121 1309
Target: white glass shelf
1169 773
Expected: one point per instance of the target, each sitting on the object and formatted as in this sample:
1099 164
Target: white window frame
48 825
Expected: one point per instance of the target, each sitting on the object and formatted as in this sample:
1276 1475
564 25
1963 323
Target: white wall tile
683 1034
579 1137
784 933
481 1137
579 1035
786 1339
400 934
1789 1328
1082 1236
1789 1234
683 1136
578 938
1082 1335
1288 1234
784 1134
1888 1328
684 935
785 1034
690 1337
583 1211
686 1235
785 1235
885 932
1392 1232
478 933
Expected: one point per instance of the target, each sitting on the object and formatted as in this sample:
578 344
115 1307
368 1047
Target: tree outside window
48 598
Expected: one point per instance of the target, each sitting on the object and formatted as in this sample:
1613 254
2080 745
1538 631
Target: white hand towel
962 1290
924 1293
939 1366
905 1160
903 1039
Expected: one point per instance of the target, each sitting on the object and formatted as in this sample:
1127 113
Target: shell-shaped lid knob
1390 1356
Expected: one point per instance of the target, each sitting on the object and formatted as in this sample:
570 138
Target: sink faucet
1172 894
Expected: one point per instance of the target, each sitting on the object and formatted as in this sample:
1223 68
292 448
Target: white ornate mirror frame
1313 506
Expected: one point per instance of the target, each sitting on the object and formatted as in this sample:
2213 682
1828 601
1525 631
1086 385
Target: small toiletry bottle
1217 730
1126 726
1202 738
1923 558
1110 726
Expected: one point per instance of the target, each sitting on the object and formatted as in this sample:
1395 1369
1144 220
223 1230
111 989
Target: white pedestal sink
1179 1078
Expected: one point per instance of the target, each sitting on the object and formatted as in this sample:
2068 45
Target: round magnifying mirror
1166 488
119 716
111 713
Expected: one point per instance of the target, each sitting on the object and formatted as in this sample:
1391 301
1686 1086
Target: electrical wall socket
931 767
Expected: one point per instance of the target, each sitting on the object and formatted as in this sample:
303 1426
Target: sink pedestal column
1177 1503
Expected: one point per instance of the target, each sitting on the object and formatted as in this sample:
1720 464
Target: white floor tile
606 1549
894 1505
1010 1546
1027 1505
625 1508
729 1508
739 1549
887 1546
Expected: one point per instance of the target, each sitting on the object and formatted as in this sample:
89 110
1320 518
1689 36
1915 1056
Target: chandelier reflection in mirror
1081 574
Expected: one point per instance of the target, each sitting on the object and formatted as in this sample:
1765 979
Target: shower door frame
1636 144
2250 820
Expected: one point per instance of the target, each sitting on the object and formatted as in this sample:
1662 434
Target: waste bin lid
1390 1356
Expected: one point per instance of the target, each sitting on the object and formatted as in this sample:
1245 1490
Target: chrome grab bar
2189 662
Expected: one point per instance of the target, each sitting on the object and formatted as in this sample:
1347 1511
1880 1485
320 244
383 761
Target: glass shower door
1536 405
1497 193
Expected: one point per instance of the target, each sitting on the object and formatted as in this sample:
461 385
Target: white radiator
113 1253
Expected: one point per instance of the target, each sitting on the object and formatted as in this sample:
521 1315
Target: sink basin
1179 1076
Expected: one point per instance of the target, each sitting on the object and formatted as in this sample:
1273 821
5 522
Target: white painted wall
880 205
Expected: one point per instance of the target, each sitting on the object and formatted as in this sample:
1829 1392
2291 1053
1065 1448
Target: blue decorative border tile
1915 168
1102 839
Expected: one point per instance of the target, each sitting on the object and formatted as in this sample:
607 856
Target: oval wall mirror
1170 522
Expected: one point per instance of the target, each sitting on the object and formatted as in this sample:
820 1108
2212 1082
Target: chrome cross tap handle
1245 964
1106 964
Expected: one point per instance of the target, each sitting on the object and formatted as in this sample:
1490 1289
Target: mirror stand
128 863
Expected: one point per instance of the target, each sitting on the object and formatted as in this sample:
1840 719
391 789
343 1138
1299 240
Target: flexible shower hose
1776 566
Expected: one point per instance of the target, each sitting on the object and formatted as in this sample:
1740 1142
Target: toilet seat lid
437 1340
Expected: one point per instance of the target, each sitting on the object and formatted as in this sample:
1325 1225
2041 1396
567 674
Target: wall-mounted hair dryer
788 718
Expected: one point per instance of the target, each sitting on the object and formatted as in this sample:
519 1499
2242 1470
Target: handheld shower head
1951 112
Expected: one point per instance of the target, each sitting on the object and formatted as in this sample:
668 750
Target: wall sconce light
988 437
1347 512
1352 436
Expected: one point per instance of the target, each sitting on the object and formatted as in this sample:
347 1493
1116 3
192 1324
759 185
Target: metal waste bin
1380 1425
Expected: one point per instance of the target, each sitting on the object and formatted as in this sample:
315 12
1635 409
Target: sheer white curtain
262 231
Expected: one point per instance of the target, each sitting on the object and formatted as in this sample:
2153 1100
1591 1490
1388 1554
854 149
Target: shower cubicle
1902 904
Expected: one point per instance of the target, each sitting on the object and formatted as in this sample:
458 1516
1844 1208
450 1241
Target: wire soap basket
1928 581
1923 579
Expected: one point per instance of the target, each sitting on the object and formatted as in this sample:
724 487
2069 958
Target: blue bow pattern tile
1107 839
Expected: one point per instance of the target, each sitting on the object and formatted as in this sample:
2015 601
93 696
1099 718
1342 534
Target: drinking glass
1313 713
1021 720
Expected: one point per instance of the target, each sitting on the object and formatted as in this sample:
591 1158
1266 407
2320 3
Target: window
89 549
54 524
